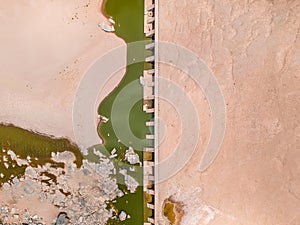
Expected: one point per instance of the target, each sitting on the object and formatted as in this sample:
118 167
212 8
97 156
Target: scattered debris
130 182
132 157
80 194
108 26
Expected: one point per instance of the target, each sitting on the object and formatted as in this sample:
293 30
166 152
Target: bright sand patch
46 46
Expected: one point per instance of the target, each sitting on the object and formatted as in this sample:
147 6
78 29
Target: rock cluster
130 182
80 193
132 157
14 217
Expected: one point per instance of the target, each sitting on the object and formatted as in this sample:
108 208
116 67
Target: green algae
169 212
38 147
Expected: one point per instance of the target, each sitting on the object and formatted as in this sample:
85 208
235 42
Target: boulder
62 219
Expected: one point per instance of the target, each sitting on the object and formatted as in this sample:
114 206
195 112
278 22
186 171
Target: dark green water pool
129 18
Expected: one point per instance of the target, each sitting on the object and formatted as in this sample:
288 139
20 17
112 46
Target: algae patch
173 211
34 148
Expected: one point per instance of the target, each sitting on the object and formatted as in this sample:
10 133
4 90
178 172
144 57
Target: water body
129 18
38 147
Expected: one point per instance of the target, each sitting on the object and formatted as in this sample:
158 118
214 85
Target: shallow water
129 18
38 147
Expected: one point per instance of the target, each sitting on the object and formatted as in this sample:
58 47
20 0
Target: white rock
113 151
131 156
35 217
12 155
122 216
113 156
142 82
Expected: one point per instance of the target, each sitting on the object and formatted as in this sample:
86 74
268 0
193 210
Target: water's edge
129 17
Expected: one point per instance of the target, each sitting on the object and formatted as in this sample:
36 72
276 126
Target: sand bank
46 47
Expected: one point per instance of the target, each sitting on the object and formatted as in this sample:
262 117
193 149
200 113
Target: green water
37 146
129 18
129 14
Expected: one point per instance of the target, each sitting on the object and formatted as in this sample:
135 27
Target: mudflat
252 48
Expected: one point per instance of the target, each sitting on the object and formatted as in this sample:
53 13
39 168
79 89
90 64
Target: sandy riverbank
46 47
252 48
